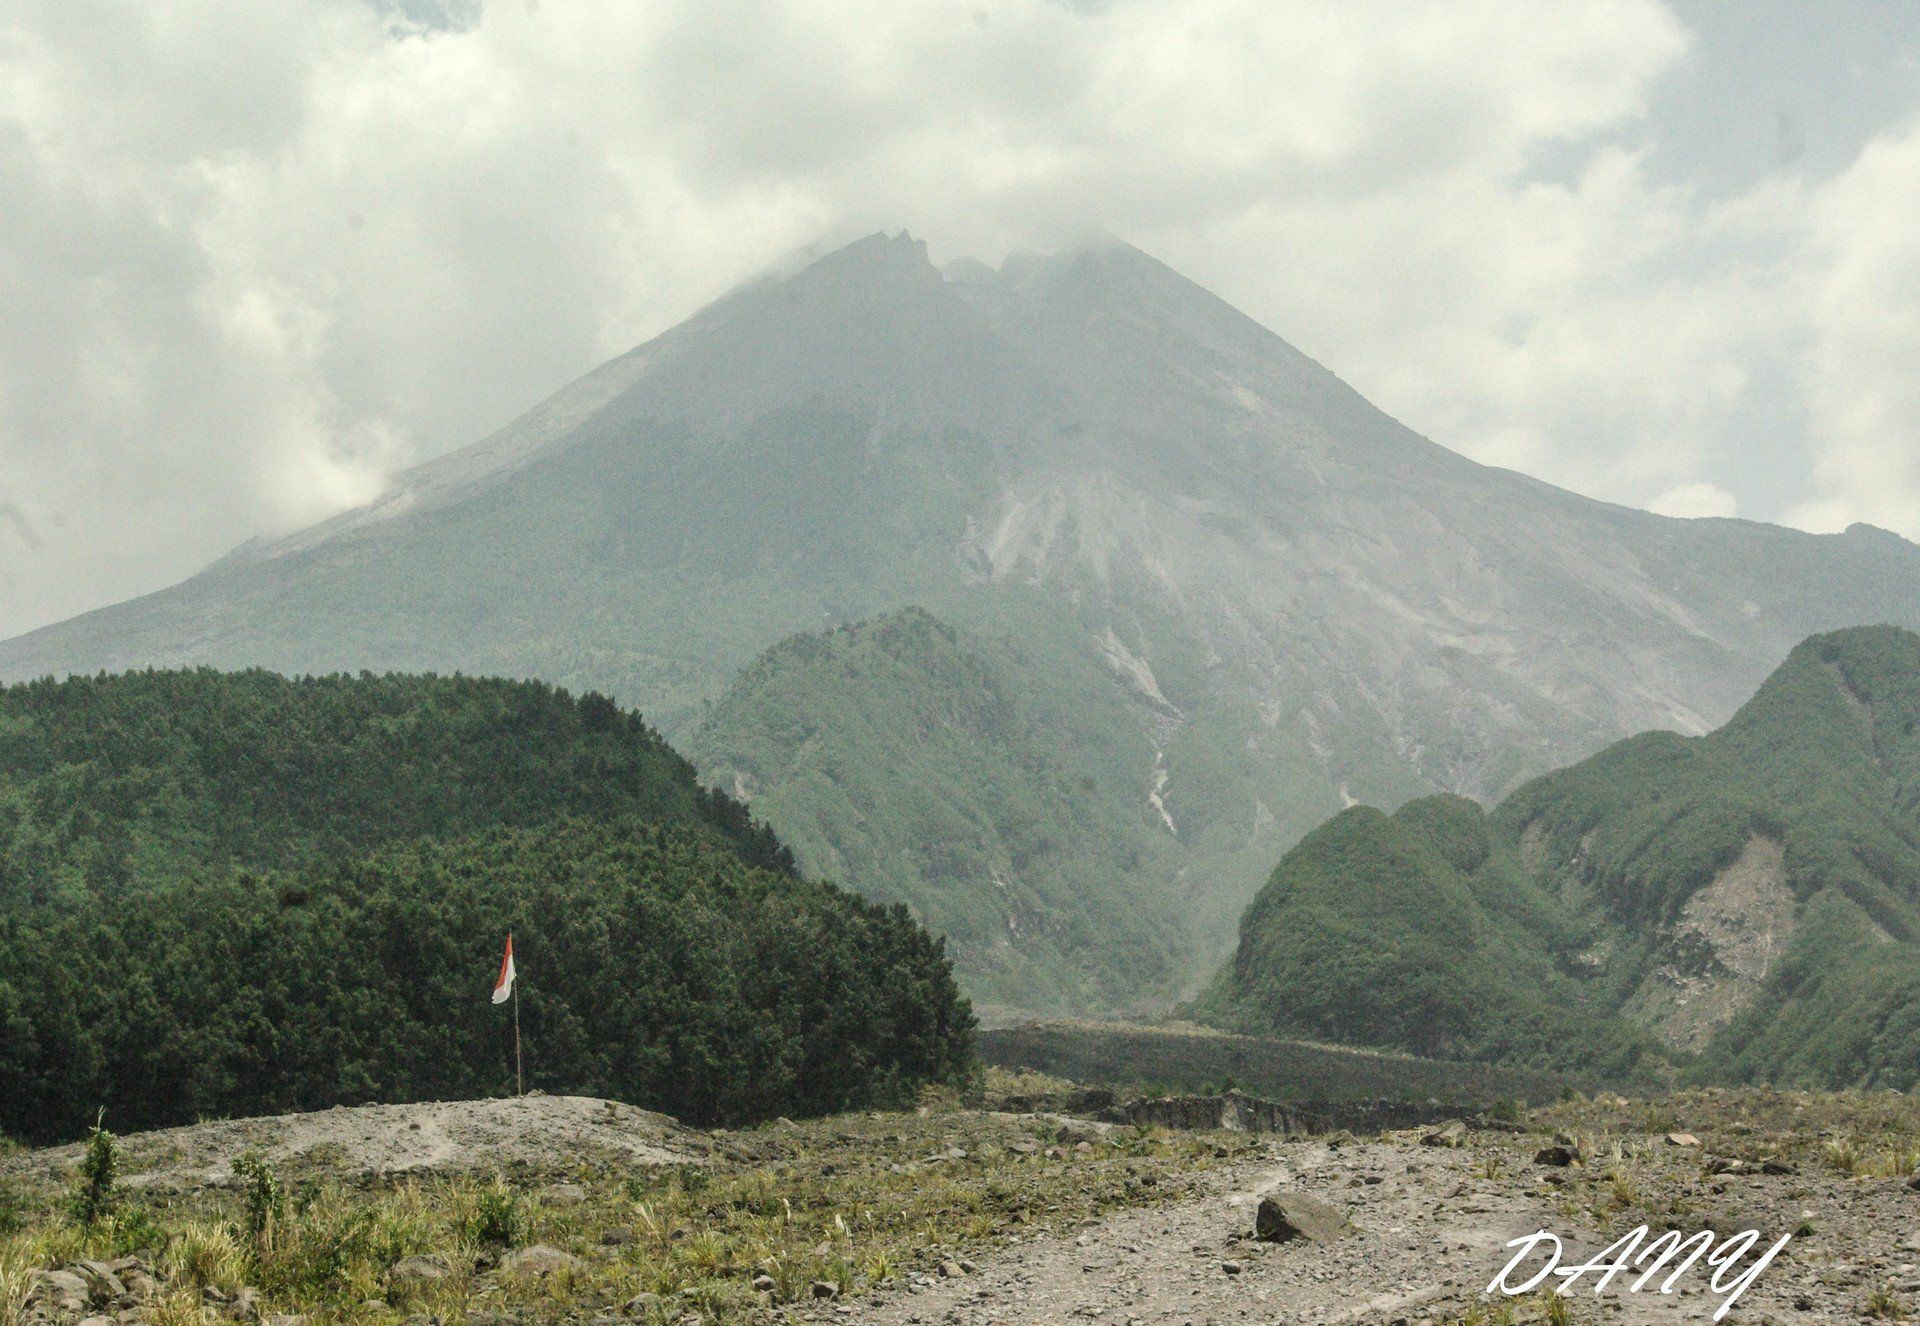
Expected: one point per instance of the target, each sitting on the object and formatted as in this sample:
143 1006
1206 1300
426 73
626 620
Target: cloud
256 258
1695 499
1863 369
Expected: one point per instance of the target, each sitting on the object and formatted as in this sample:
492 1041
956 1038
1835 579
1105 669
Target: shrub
97 1196
497 1220
265 1203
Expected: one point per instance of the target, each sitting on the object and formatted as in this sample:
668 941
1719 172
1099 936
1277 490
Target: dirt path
1430 1235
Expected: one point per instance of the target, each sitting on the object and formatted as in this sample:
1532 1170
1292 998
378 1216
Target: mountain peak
897 255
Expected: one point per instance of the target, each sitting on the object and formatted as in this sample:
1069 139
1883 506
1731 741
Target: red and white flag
503 988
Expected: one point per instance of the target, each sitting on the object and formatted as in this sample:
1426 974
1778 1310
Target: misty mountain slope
1302 602
1747 901
951 772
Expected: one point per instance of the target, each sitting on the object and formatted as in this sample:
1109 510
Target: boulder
63 1291
419 1270
539 1260
1453 1133
1558 1155
1682 1139
103 1285
1283 1217
565 1194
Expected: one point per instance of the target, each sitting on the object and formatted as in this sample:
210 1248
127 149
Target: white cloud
1864 365
1695 499
254 257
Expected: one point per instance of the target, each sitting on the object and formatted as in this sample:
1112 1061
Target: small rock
1283 1217
245 1305
1682 1139
1451 1134
293 1319
565 1194
952 1269
419 1270
1232 1268
641 1305
825 1289
539 1260
763 1283
1558 1155
618 1237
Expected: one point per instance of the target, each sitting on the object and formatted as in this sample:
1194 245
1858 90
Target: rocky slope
1294 601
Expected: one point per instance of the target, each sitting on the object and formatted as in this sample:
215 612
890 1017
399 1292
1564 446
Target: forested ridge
227 894
1740 906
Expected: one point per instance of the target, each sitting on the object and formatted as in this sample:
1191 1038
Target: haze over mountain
1208 595
1741 905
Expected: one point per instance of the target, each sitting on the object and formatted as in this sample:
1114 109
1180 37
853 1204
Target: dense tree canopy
236 894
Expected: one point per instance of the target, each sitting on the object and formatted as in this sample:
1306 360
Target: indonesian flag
503 988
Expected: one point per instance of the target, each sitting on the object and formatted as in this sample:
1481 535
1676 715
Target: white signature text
1625 1255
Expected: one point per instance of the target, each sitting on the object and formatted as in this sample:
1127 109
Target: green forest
1568 927
229 894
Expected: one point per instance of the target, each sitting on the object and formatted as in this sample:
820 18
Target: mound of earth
530 1132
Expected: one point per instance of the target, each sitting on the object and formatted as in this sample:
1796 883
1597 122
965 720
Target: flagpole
519 1082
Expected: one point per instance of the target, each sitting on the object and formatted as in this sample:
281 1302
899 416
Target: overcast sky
254 257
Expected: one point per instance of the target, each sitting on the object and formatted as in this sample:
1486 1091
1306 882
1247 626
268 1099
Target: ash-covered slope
1300 601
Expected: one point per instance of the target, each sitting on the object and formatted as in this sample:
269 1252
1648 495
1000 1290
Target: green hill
1747 901
945 770
228 894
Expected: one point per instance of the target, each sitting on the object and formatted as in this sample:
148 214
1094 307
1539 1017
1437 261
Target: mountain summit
1209 594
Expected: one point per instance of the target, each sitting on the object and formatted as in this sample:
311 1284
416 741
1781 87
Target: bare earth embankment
439 1137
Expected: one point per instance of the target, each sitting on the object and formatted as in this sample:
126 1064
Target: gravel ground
1430 1234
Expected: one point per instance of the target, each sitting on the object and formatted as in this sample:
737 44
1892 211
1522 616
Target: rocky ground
954 1217
1428 1232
